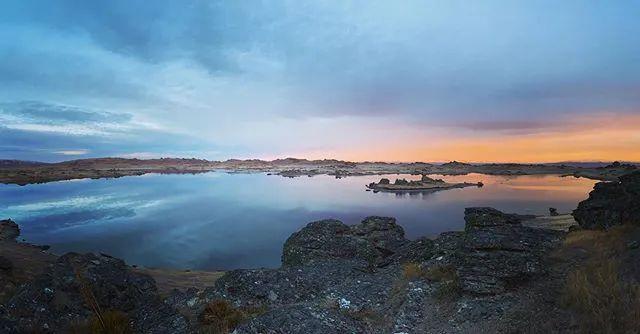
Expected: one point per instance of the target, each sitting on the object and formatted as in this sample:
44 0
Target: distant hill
20 163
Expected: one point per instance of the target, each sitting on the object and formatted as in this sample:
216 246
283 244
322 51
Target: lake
220 221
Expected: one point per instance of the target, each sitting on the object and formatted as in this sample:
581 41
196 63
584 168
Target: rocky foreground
499 275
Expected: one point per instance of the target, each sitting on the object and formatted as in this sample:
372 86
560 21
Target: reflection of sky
221 221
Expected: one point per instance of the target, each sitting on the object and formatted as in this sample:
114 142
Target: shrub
220 317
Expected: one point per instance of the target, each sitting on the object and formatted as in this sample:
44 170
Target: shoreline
24 174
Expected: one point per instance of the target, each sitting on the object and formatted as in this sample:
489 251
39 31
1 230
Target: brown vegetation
604 301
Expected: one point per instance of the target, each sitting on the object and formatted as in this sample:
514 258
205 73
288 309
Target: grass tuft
412 271
220 317
447 276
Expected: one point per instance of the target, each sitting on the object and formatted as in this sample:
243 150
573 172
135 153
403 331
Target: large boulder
68 291
374 239
611 203
9 230
496 252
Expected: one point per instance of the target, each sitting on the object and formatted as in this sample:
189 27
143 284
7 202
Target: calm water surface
226 221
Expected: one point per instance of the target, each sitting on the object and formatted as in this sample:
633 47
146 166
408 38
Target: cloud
256 78
72 152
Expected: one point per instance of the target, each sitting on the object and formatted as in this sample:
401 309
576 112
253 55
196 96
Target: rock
383 232
498 252
305 318
611 203
370 241
384 181
633 244
487 217
54 300
401 182
337 278
9 230
553 212
5 265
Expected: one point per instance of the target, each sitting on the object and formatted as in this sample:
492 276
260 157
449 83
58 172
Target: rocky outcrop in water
611 203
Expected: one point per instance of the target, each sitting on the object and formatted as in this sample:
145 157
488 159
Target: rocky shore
22 173
504 273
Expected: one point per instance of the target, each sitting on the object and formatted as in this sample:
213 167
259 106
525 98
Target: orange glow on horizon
598 138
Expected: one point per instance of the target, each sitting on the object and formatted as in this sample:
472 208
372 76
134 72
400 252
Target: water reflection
223 221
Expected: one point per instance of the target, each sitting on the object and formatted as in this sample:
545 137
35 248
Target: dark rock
383 232
401 182
384 181
55 299
553 212
486 217
305 318
5 264
9 230
498 252
370 241
611 203
633 244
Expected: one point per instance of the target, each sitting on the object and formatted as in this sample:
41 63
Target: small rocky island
425 184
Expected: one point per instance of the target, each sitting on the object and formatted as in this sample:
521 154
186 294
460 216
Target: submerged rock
611 203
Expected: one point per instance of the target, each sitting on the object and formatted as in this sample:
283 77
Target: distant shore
23 173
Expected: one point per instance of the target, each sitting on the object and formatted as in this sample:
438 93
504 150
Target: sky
482 81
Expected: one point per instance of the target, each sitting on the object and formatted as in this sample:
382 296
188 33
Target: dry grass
449 282
603 300
607 303
412 271
220 317
109 322
598 241
102 322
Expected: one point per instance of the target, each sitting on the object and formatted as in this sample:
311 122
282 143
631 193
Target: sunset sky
483 81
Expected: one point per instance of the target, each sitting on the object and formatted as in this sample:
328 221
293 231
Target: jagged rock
370 241
9 230
383 232
54 300
611 203
305 318
553 212
498 252
487 217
